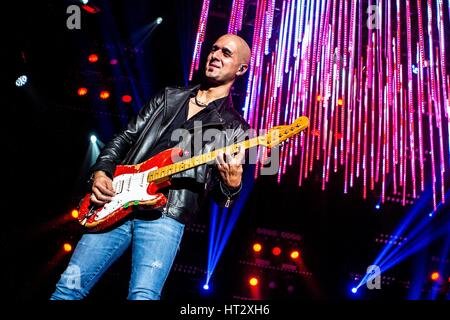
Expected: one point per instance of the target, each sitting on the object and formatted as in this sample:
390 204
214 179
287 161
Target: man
155 235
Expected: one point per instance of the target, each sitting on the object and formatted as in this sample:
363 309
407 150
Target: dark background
46 138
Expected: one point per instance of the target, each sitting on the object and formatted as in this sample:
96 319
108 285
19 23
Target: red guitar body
132 190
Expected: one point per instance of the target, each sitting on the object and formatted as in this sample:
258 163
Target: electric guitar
137 185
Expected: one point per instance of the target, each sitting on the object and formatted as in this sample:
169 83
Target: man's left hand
230 167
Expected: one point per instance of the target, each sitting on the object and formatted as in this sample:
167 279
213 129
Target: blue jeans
154 246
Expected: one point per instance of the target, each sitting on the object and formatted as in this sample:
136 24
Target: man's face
223 61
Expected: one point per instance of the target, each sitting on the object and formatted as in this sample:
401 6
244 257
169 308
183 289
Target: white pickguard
128 187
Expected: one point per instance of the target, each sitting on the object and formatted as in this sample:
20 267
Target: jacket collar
176 98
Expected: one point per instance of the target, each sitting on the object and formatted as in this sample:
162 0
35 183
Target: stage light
82 91
104 95
93 139
354 290
435 276
127 98
253 281
377 207
295 254
276 251
113 61
205 286
21 81
159 20
67 247
84 1
74 213
319 98
257 247
340 102
90 8
93 58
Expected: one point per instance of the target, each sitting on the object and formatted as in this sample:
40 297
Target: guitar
137 185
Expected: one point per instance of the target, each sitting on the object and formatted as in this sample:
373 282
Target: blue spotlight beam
143 34
419 244
410 237
407 221
229 228
219 240
412 234
424 240
212 238
223 214
387 258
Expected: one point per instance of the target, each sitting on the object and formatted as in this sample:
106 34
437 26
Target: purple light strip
395 134
269 25
338 108
364 159
236 16
371 68
199 38
440 129
385 159
240 15
411 102
232 22
298 24
360 86
419 116
405 137
443 59
290 17
433 100
380 106
430 128
445 102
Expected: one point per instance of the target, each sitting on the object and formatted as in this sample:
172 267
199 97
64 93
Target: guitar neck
174 168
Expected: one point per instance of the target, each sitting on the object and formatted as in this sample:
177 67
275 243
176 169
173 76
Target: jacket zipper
169 196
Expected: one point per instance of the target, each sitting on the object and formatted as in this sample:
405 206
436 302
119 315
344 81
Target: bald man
175 117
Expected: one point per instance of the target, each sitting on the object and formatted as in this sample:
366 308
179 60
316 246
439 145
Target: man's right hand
102 189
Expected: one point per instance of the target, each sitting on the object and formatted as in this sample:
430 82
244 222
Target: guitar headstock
278 134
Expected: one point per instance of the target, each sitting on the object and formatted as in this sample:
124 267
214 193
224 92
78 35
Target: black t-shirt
165 142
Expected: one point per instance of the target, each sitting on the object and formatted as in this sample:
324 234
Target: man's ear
242 69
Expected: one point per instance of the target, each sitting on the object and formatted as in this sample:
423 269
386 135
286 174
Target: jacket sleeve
115 151
223 195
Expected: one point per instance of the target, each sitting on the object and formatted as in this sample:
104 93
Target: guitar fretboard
180 166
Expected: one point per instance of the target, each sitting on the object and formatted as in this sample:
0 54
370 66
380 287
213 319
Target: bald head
241 45
229 58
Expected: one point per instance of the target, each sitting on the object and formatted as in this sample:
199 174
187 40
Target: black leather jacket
189 187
